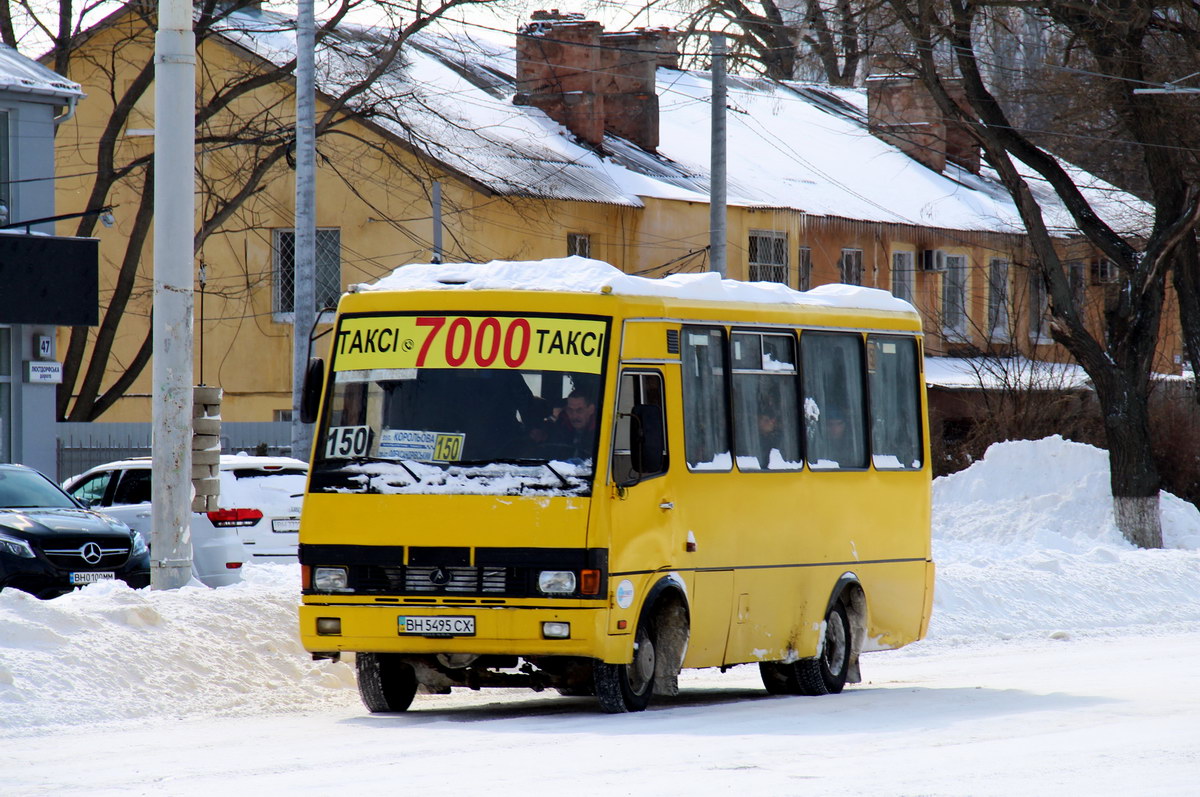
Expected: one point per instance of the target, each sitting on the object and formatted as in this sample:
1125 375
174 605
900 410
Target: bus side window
834 400
705 408
638 388
894 392
765 410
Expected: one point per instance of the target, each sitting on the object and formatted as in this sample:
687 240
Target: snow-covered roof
999 373
21 74
790 145
583 275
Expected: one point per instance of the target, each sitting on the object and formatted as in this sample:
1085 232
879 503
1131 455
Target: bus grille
455 580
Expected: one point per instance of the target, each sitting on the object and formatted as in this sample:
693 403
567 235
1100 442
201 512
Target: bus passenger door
644 534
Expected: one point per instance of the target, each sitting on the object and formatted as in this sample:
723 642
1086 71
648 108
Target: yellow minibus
556 475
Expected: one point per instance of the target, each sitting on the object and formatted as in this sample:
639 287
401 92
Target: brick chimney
902 112
591 81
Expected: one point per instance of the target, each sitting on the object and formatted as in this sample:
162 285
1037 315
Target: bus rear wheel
824 675
386 682
627 687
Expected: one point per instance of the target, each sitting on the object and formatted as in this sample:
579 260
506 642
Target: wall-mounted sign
49 373
45 346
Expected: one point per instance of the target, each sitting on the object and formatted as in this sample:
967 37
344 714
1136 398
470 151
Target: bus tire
824 675
827 673
385 682
628 687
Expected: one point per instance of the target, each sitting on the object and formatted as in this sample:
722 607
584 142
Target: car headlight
556 582
138 544
15 546
331 579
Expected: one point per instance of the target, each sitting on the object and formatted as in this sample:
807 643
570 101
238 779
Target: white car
258 514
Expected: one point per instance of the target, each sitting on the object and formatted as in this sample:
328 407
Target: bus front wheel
385 682
627 687
824 675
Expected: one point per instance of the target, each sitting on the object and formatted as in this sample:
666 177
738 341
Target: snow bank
1024 541
107 653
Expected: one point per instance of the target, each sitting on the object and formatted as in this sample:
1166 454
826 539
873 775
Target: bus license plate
438 626
91 578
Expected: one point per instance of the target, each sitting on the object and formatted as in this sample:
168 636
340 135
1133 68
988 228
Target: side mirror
646 446
310 395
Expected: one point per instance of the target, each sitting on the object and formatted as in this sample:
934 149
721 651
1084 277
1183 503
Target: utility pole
438 255
174 232
305 224
716 171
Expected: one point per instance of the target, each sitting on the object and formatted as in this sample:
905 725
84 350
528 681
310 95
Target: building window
804 268
998 299
282 416
1077 275
579 243
6 208
954 298
903 268
1104 271
1039 309
768 256
850 266
328 286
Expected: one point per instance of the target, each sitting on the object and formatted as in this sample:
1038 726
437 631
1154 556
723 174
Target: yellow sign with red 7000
470 341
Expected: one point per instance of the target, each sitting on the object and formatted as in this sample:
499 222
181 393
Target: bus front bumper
501 630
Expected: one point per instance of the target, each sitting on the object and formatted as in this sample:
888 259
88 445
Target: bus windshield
442 426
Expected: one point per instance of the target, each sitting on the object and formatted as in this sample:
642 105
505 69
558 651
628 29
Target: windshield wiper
470 463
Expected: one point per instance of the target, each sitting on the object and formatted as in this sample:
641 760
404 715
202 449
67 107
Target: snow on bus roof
583 275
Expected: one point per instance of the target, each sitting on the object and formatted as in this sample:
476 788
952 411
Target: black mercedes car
49 544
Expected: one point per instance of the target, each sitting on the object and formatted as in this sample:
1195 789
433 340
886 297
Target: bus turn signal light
589 582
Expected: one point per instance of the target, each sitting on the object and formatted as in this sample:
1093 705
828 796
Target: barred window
328 286
768 256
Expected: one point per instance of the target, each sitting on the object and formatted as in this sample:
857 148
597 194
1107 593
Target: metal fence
85 445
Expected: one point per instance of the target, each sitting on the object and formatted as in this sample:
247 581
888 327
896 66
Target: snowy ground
1060 661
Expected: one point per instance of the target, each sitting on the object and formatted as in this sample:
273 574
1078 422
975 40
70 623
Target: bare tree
249 148
1120 41
824 40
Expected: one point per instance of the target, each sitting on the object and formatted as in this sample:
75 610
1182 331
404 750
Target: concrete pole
174 232
305 224
716 189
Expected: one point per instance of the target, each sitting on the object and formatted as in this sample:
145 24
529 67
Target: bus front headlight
556 582
330 579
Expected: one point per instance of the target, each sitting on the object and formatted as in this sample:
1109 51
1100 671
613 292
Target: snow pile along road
107 652
1024 541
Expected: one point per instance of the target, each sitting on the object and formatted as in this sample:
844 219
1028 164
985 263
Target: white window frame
767 257
954 292
999 317
277 281
904 279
